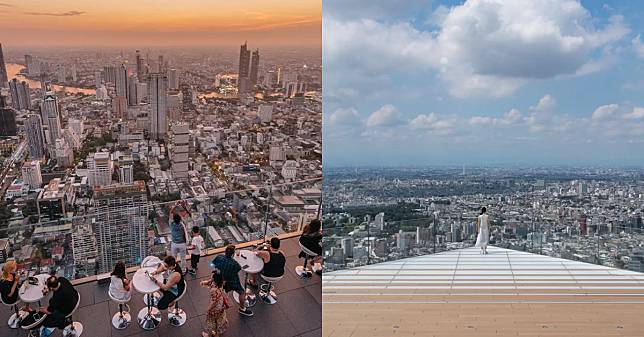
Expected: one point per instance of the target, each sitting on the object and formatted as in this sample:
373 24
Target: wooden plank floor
463 293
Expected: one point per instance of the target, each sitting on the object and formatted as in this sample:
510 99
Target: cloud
68 13
387 115
381 9
2 4
509 118
481 47
636 113
638 46
605 111
344 117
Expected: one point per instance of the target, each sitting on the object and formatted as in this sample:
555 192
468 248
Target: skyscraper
158 102
51 111
31 174
244 60
7 119
3 70
126 170
173 80
35 137
179 151
20 95
100 167
140 70
121 81
120 224
254 68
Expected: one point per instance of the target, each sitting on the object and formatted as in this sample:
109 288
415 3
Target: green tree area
5 212
400 211
166 198
89 145
141 172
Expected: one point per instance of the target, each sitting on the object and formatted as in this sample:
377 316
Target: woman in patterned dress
216 316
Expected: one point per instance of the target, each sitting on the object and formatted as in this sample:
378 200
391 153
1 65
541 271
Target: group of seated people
225 278
62 302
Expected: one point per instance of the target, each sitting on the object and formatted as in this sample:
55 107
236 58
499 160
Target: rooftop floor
297 313
504 293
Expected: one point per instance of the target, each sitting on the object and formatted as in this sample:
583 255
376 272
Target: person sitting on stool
274 260
311 238
62 303
172 284
9 282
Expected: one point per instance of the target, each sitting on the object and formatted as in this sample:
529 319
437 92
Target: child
197 245
216 318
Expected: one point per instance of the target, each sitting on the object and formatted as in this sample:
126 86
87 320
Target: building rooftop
463 293
297 313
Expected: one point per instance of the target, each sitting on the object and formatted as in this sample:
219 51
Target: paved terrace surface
463 293
297 313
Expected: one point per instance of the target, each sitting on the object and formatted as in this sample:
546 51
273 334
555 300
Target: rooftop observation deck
297 313
463 293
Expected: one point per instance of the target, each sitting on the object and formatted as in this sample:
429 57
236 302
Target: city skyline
474 82
189 23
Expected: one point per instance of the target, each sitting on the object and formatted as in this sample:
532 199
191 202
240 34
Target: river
13 70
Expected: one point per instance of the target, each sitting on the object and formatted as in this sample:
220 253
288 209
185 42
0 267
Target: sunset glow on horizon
160 23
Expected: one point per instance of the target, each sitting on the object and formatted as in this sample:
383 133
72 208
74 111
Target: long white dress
484 231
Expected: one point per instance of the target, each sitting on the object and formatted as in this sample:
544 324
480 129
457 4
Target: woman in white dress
482 226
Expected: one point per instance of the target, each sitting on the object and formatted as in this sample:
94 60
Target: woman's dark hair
313 227
170 261
230 250
217 278
119 270
195 229
483 209
176 218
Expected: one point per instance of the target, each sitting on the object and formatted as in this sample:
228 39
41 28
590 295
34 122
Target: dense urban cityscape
96 146
592 215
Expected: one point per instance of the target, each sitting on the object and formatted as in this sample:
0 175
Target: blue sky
483 82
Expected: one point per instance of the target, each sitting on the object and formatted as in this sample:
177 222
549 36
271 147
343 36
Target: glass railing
365 242
120 224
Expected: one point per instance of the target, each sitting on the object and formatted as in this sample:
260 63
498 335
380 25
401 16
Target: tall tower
100 169
8 125
254 67
244 60
35 137
120 224
121 81
3 70
50 110
20 94
158 102
140 71
179 152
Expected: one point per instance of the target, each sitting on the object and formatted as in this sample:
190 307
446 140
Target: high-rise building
179 152
51 111
243 84
32 64
20 95
31 174
3 70
109 74
141 92
379 221
186 97
64 153
76 125
265 113
132 85
119 107
140 70
126 170
173 79
98 79
84 246
121 84
158 102
74 72
254 68
100 167
120 224
8 125
35 136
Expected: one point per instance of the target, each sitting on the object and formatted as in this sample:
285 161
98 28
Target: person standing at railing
197 245
483 228
178 247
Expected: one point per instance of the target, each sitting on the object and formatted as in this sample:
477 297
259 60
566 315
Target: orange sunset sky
114 23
